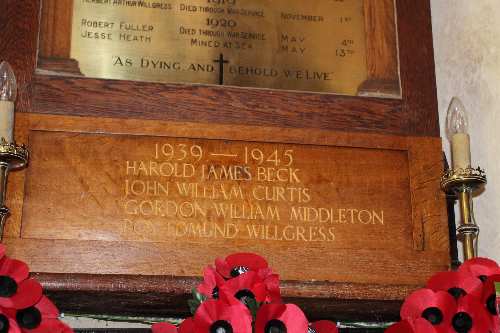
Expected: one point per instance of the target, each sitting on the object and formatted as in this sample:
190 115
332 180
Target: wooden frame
163 295
414 115
381 45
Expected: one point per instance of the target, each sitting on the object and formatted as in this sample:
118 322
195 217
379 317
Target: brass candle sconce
462 179
12 156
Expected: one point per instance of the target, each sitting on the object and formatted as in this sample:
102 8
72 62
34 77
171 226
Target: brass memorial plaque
316 45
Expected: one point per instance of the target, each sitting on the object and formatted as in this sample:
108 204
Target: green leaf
198 296
253 306
195 302
193 306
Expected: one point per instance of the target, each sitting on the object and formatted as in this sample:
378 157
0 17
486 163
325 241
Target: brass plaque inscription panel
234 194
316 45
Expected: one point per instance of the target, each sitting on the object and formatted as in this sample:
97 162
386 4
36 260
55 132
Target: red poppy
39 318
417 326
272 283
324 326
163 328
239 263
280 318
470 317
489 300
265 272
436 307
225 315
8 323
187 326
481 268
458 284
212 282
246 286
16 290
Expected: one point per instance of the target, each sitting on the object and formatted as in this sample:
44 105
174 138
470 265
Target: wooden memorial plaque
134 186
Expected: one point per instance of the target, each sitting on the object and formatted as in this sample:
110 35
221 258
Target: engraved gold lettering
168 208
300 233
150 188
290 233
286 234
213 192
222 172
281 194
202 230
234 192
165 169
333 216
284 175
255 231
378 217
245 211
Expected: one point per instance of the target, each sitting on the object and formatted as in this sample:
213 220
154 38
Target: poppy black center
238 270
433 315
483 278
215 293
4 324
29 318
491 304
457 292
8 286
244 296
221 326
462 322
275 326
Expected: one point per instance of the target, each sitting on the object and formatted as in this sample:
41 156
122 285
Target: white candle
8 90
457 128
460 147
6 120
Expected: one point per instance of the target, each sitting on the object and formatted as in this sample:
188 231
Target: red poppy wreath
23 307
241 294
454 302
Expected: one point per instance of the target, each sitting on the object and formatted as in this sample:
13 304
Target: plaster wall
467 56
